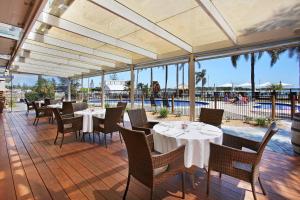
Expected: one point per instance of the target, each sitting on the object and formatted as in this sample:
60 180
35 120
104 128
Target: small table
87 124
196 136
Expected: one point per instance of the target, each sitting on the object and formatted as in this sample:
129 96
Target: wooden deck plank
82 170
7 188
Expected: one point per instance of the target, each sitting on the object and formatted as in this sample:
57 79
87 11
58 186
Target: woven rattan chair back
67 107
47 101
123 105
60 125
211 116
79 106
112 118
139 155
137 117
35 106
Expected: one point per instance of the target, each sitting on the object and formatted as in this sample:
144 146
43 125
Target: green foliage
32 96
44 88
106 105
261 121
163 113
276 87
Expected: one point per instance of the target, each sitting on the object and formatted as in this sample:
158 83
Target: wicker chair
108 125
79 106
67 125
29 106
211 116
41 112
139 121
123 105
67 108
147 168
232 160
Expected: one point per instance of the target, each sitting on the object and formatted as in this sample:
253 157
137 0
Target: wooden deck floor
31 167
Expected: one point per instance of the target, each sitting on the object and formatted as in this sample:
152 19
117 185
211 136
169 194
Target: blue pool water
279 106
158 102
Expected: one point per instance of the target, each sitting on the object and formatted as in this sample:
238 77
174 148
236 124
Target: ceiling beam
144 23
218 18
24 67
30 66
86 32
76 47
50 65
61 61
66 55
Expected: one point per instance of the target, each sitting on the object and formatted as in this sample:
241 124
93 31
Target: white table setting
195 135
87 125
57 105
40 102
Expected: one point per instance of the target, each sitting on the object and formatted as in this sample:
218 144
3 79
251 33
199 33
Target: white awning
117 33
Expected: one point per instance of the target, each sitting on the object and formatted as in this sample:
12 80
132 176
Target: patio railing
237 105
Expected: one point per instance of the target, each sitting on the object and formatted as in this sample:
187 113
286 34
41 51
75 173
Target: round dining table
87 124
196 137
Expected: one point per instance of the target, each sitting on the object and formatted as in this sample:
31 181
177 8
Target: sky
219 71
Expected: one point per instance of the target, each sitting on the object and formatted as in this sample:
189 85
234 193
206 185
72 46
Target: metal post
69 90
103 90
192 86
82 93
273 105
293 104
215 99
11 88
172 103
132 86
142 100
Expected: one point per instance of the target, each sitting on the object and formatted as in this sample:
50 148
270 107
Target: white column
103 90
132 86
192 86
69 90
81 88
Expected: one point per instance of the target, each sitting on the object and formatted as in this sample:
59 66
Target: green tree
182 68
253 58
166 79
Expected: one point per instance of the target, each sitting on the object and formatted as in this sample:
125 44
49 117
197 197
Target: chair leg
207 183
120 138
105 140
56 138
37 121
93 137
262 188
151 193
253 190
76 135
34 121
220 175
110 135
127 186
62 140
182 185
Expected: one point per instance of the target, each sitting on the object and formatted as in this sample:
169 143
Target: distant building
114 85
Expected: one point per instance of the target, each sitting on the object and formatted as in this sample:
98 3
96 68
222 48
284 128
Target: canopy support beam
218 18
132 86
103 90
69 90
135 18
192 86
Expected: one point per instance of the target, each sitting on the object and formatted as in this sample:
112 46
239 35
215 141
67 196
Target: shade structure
117 33
285 85
244 85
265 85
226 85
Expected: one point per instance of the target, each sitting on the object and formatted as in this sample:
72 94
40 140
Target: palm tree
253 58
182 68
166 79
200 77
295 51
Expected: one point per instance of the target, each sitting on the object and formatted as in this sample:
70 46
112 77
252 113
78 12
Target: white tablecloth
58 105
197 136
88 117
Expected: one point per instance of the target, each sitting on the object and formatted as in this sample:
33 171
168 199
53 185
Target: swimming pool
279 106
158 102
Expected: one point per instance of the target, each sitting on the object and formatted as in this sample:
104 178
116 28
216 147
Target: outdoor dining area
140 159
70 149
